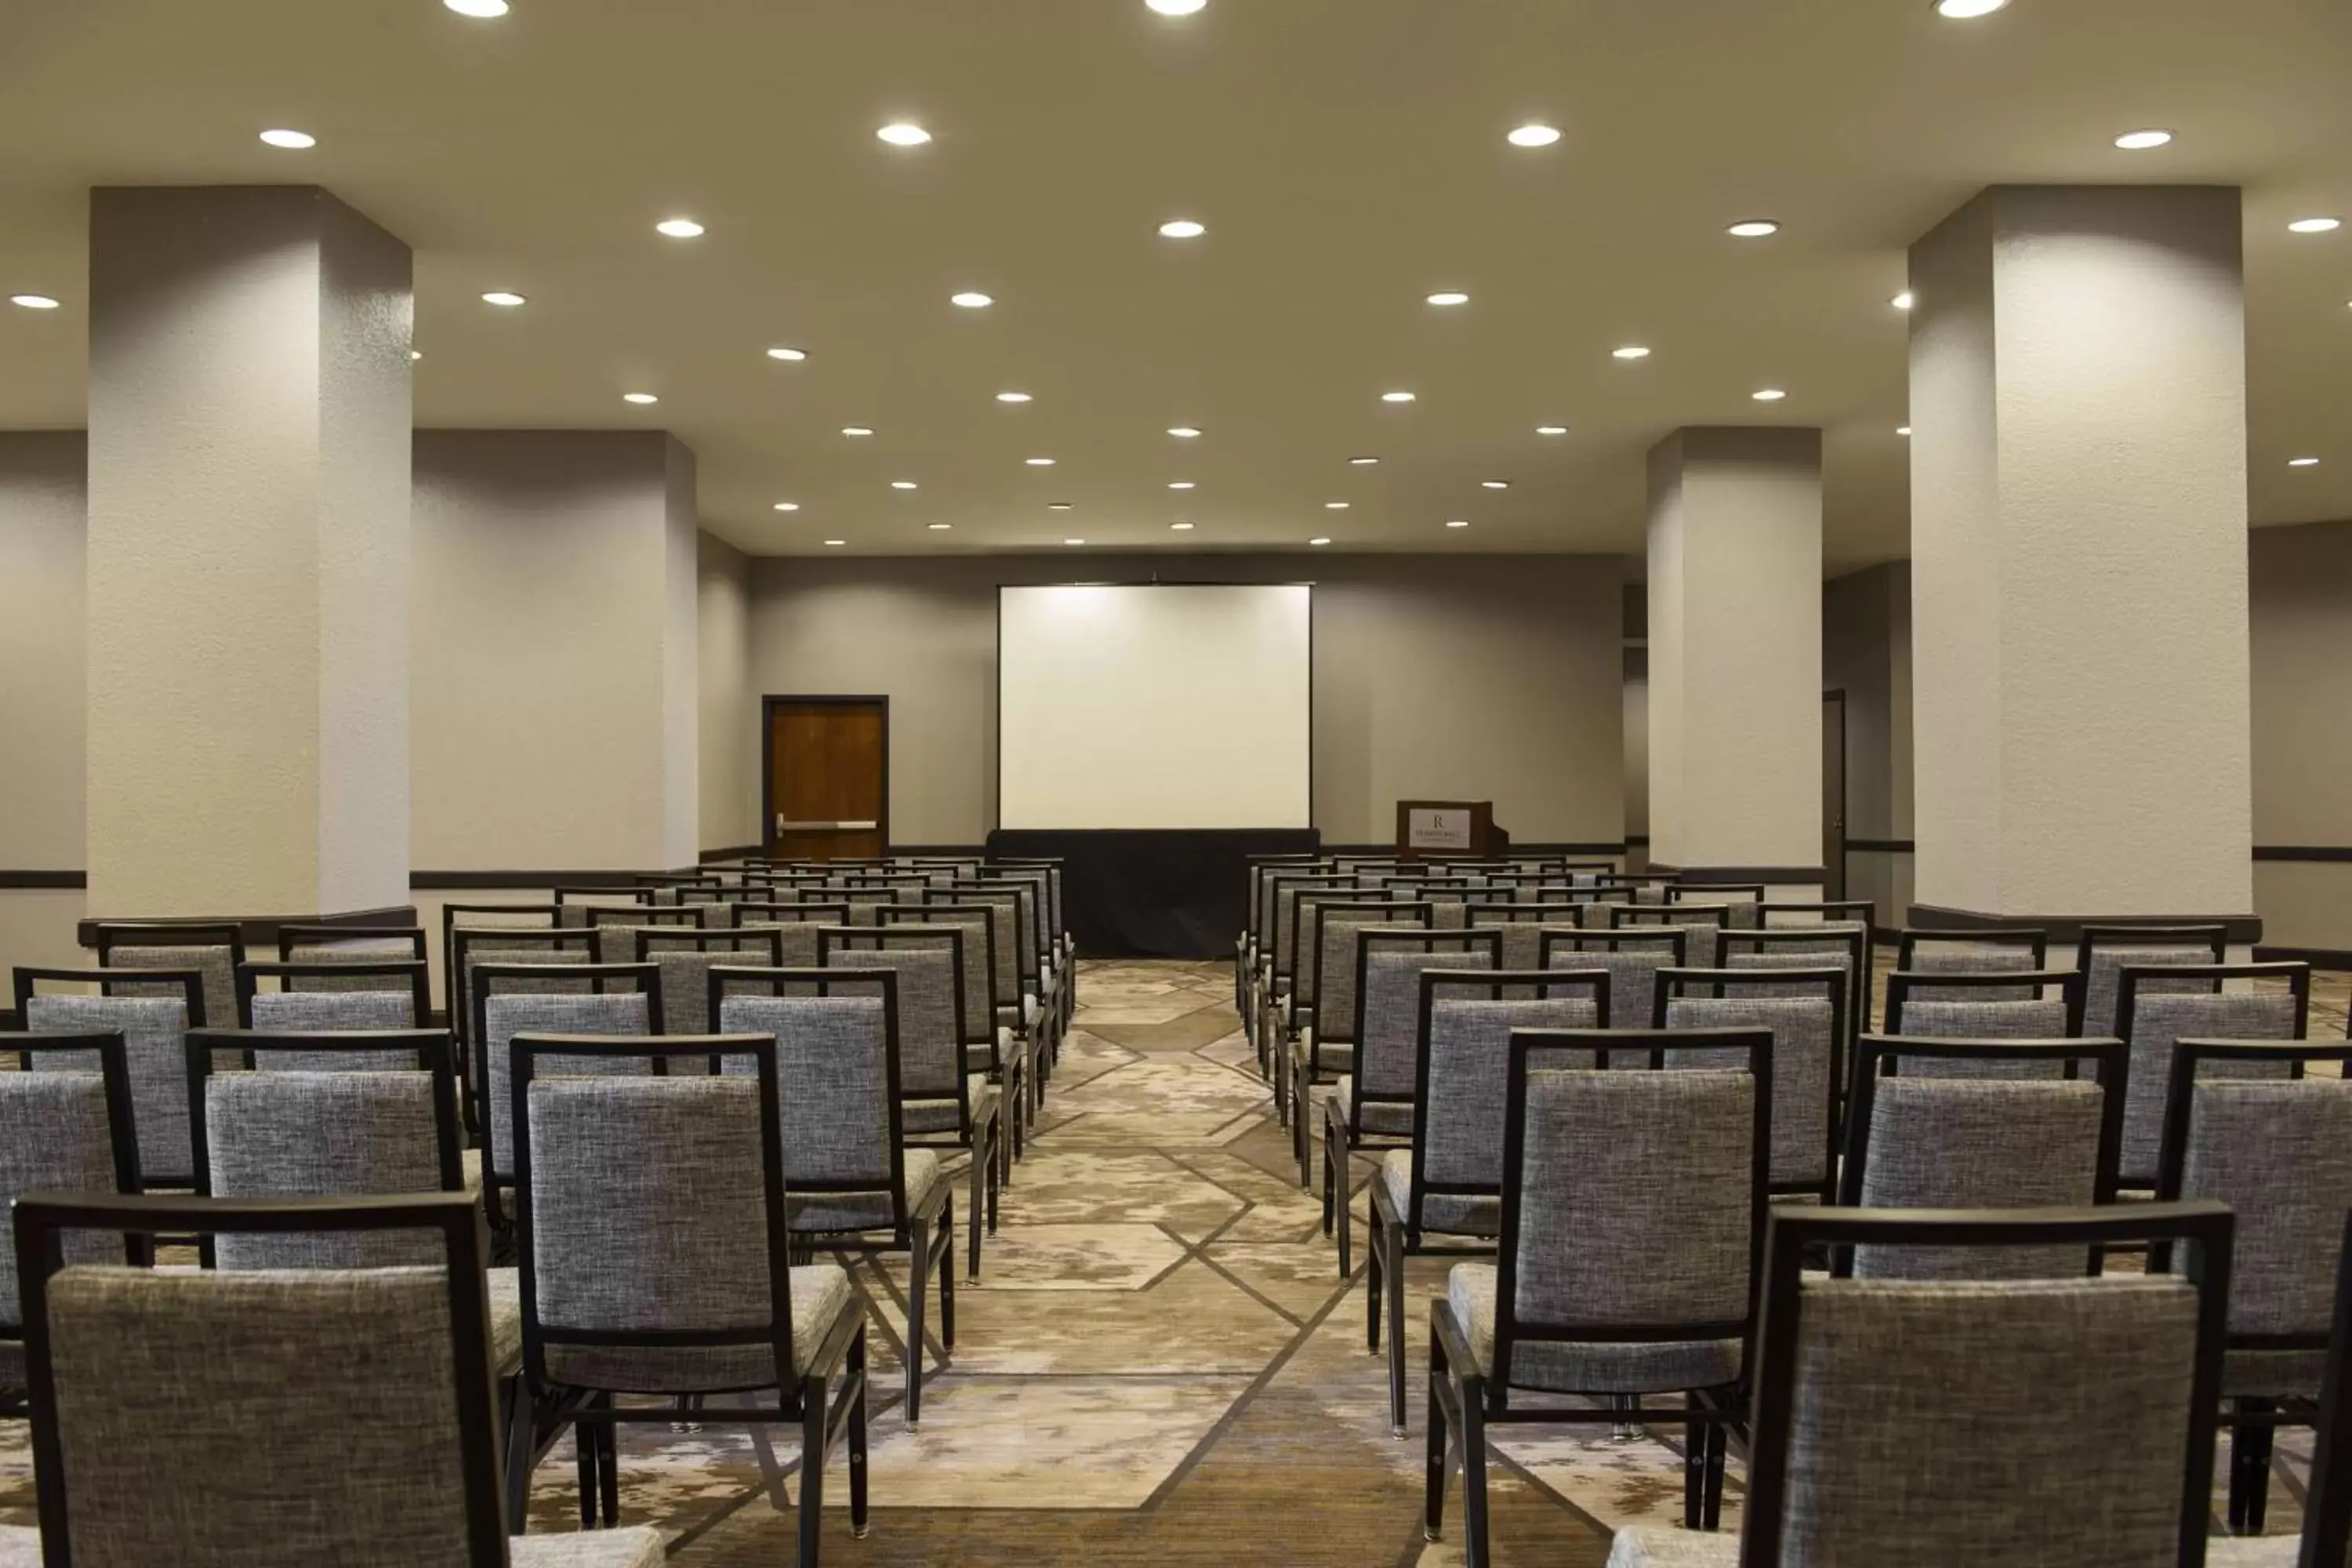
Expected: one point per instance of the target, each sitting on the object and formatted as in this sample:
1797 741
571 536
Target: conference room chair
687 957
2155 1006
1454 907
2278 1151
1294 1011
1804 1011
1372 1103
1631 956
1319 1041
1982 951
304 943
576 901
1045 970
1059 945
2058 1421
852 1184
2103 953
616 925
1250 944
1703 925
483 917
1743 901
334 995
511 998
654 1256
364 1396
212 948
1278 971
982 976
152 1010
1993 1005
1444 1191
1523 925
65 1127
526 939
942 1104
1589 1293
797 922
1015 996
1981 1124
1807 944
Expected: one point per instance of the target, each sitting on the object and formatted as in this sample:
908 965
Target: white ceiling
1347 156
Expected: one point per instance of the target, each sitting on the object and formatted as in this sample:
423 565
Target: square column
248 554
2078 483
1736 657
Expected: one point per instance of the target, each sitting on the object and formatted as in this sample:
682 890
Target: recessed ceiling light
1182 228
1057 506
1335 506
294 141
1903 429
1767 394
1551 429
857 429
902 484
1039 462
1495 484
639 398
1182 527
971 299
1363 462
1457 522
2141 141
1012 397
1396 397
1176 7
1903 301
1631 351
414 355
787 506
486 9
1963 10
679 228
942 527
836 542
1534 134
1753 229
1184 432
1318 539
2303 462
2315 225
790 355
1180 484
1450 297
502 297
1074 542
904 134
33 301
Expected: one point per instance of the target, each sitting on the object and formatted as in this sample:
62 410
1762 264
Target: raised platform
1154 893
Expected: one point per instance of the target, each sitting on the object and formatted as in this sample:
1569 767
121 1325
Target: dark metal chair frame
1268 1006
1861 985
1709 984
291 936
707 938
754 911
1290 1089
2071 983
419 987
190 982
1908 940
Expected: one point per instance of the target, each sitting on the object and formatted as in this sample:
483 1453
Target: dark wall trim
2317 957
44 879
734 852
1739 876
261 931
1880 846
2309 853
1517 848
2243 929
466 881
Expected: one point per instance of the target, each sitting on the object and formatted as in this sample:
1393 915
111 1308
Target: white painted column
2078 484
1736 657
247 629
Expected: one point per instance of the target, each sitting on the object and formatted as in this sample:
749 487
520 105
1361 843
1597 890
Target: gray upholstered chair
1982 951
68 1129
655 1254
1743 903
1278 973
984 972
2158 1004
1523 925
1319 1041
1631 957
362 1396
2104 952
1632 1221
617 925
687 957
576 901
212 948
152 1010
1937 1424
854 1184
341 993
1981 1124
1703 926
796 925
2278 1151
1017 983
1993 1005
300 943
1373 1102
1805 1010
1445 1187
1783 943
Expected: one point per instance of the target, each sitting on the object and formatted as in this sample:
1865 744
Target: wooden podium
1441 827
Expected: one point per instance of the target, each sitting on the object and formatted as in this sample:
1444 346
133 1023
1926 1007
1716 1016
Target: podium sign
1439 828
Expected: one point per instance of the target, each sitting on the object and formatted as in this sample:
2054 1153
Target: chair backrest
317 1132
1258 920
1937 1424
1773 913
212 948
651 1206
1845 943
1390 965
929 964
337 994
837 1035
1805 1011
1523 926
472 946
1015 904
2328 1510
1703 925
1978 952
2278 1151
299 944
575 903
1993 1004
1631 958
768 912
362 1398
487 918
616 925
1981 1124
153 1020
1283 892
1743 903
1331 983
2103 953
1462 1070
686 959
976 959
2158 1004
1633 1202
68 1129
624 1000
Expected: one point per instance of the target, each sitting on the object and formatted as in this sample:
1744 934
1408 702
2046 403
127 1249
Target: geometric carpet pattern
1160 1364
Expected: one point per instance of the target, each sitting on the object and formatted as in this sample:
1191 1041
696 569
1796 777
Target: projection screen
1153 706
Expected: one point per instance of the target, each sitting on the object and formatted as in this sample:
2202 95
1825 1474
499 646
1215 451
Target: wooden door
1833 795
827 772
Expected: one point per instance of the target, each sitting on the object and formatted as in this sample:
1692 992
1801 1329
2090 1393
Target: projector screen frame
996 685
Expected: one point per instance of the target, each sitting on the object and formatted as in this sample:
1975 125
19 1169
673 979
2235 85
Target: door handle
782 825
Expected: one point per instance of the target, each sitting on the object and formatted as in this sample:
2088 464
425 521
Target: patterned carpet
1160 1365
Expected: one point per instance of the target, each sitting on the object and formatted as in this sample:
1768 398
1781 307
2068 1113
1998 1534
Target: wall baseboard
733 852
261 931
28 879
2317 957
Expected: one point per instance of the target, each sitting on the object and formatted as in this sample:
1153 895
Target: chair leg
811 1508
585 1449
1343 1199
919 1286
947 1276
2250 1468
1331 1215
999 1172
1475 1546
859 1522
984 1159
522 1416
1373 1268
1718 1447
1432 1513
1695 1441
1394 1283
608 1478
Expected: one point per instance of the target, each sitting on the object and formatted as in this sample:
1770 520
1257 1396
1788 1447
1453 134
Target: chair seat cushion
635 1547
1658 1546
1381 1119
940 1115
864 1211
821 1293
506 1322
1330 1056
1449 1212
20 1546
1588 1368
469 1166
2224 1551
2257 1375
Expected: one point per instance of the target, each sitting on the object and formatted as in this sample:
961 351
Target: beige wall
730 718
2301 599
42 510
1474 677
1866 653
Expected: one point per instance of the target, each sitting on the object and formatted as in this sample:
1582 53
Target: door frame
1836 877
768 705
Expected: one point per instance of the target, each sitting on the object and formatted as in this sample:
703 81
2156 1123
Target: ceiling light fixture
1396 397
1040 462
791 356
1074 542
787 506
1057 506
971 299
483 10
942 527
1318 539
1182 228
2141 141
836 542
414 355
292 141
857 429
1335 506
1903 429
1362 462
503 297
1967 10
2303 462
1631 351
1753 229
902 484
1184 432
33 301
1551 429
1182 527
1534 134
1450 297
1176 7
904 134
1012 398
1457 522
1903 301
2315 226
1181 485
1767 394
639 398
679 228
1495 484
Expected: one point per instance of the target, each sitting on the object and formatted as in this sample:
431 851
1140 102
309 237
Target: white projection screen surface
1153 706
